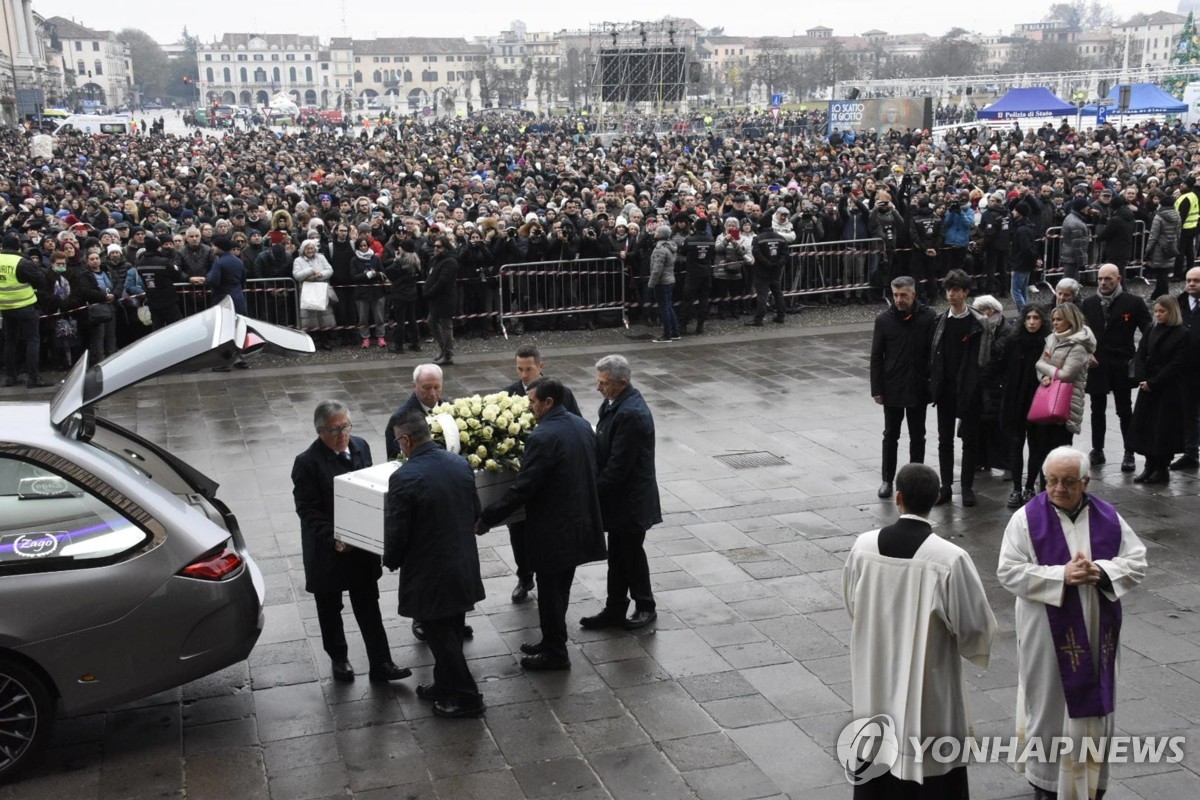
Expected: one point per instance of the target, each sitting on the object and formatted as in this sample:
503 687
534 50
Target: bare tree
952 54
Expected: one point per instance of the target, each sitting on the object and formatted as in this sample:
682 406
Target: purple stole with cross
1088 690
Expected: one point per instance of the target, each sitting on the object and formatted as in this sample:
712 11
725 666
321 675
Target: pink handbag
1051 404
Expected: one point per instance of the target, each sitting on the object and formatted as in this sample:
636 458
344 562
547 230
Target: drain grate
751 460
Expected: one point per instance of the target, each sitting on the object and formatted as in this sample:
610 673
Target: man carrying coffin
1068 557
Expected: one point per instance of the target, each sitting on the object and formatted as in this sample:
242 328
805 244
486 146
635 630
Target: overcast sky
468 18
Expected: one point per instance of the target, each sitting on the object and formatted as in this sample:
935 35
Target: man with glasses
332 567
1068 557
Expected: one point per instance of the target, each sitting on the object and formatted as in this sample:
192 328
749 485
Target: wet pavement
739 690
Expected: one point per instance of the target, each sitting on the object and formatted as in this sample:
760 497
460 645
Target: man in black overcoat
1189 307
429 536
557 487
1114 315
529 369
332 567
440 296
900 374
628 489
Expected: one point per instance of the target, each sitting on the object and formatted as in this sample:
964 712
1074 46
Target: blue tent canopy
1144 98
1027 103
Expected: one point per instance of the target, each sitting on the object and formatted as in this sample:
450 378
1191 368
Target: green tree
151 67
1187 51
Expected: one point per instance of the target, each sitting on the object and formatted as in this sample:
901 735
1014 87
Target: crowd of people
1004 205
983 372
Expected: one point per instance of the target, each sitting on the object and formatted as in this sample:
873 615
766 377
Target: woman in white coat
310 266
1068 351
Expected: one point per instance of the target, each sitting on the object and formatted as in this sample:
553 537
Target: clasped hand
1080 571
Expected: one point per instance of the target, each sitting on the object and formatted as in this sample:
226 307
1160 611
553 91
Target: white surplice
913 621
1041 704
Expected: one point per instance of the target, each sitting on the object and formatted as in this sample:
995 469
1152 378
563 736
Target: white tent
282 104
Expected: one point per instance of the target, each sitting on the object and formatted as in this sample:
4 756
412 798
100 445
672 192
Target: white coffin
358 499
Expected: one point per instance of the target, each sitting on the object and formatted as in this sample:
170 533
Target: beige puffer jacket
1069 357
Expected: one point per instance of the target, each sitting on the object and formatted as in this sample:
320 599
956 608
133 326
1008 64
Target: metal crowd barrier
1052 246
271 299
550 288
815 268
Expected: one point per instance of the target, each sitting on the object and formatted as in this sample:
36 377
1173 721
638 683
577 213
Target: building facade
408 73
248 69
96 62
1151 38
31 75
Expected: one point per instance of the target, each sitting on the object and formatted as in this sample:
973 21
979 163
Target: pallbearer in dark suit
529 369
331 567
557 486
629 502
429 536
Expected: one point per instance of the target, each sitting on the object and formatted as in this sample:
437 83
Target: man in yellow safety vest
1188 206
20 281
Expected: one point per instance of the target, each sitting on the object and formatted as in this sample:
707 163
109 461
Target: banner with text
882 115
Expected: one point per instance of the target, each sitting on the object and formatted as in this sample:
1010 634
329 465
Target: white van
96 124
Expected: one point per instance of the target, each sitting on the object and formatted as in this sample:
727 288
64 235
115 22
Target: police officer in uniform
20 283
770 254
698 252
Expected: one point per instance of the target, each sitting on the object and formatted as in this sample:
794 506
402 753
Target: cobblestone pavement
740 689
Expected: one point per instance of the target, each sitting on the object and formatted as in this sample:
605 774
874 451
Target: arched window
408 76
242 71
228 79
208 75
357 76
308 74
292 74
275 74
260 75
377 76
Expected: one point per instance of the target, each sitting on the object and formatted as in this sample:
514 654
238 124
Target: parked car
122 574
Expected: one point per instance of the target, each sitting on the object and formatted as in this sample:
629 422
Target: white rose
481 451
435 427
491 466
474 461
491 412
464 437
514 429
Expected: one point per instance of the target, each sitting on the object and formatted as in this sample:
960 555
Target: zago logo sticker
867 748
35 545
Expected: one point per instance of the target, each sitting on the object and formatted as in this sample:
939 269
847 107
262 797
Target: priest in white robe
917 608
1068 557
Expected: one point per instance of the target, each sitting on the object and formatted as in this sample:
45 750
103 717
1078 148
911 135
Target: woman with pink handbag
1062 371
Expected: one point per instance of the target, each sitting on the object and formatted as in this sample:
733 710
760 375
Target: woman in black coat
992 450
1159 368
1021 351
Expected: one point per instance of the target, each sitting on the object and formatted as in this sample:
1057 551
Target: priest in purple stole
1068 557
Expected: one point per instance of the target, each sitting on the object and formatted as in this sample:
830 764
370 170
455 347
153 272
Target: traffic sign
1101 115
426 111
776 100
